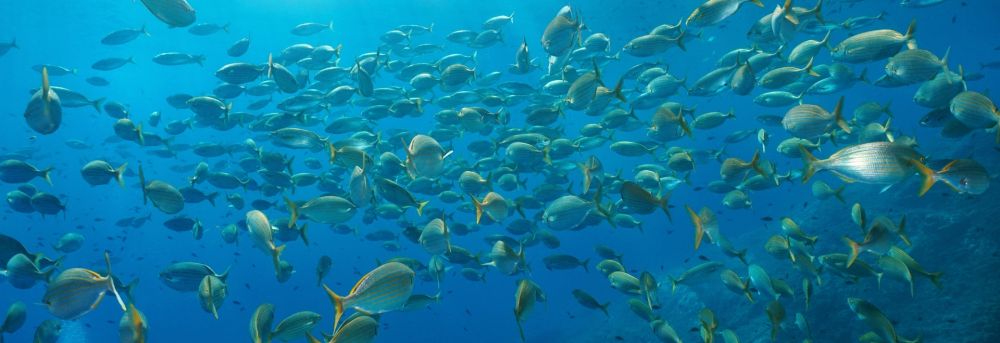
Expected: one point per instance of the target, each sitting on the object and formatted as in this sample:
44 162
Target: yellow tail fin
294 210
855 251
699 227
338 306
927 174
839 117
810 164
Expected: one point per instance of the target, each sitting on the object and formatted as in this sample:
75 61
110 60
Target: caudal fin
338 306
810 163
45 175
276 257
293 209
855 251
699 227
927 176
838 116
119 173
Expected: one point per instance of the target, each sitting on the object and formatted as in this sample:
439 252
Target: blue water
950 232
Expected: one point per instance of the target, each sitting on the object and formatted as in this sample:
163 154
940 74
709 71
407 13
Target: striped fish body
165 197
881 163
560 34
384 289
807 121
714 11
915 65
76 292
175 13
361 329
872 45
974 110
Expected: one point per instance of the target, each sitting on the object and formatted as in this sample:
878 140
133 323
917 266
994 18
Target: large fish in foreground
383 289
77 291
880 163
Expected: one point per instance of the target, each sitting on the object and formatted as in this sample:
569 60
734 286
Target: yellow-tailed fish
77 291
384 289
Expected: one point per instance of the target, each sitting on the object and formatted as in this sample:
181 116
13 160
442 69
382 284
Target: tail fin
684 126
809 68
935 278
755 163
911 42
479 208
420 207
680 41
520 328
119 173
618 90
699 227
927 174
302 232
276 257
818 13
839 194
338 306
294 210
810 164
97 104
584 264
673 284
855 251
211 198
142 185
757 2
838 116
46 175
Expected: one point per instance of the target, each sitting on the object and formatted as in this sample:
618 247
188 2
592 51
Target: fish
875 319
260 323
17 171
77 291
873 45
44 111
133 327
776 314
880 163
809 121
527 294
309 29
694 274
295 326
98 172
712 12
123 36
384 289
641 201
396 194
174 13
212 294
588 301
164 196
261 234
187 276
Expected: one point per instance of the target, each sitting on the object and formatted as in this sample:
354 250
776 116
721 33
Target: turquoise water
948 232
